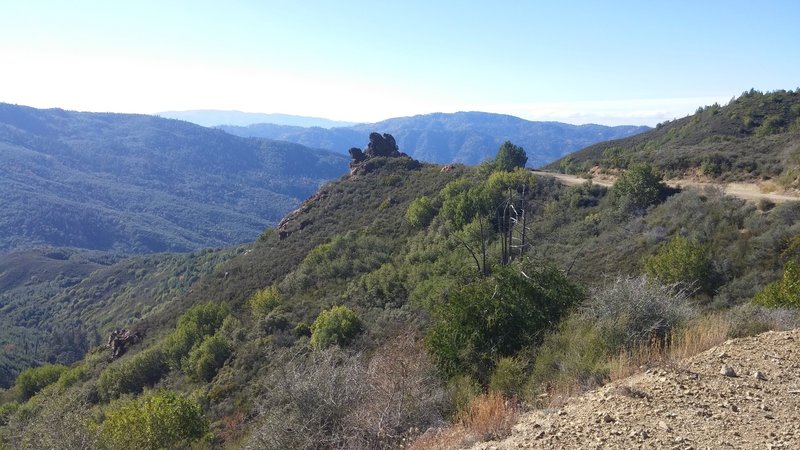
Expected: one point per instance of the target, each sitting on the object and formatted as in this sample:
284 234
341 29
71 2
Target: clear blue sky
610 62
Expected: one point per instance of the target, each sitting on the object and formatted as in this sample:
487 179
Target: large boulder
380 146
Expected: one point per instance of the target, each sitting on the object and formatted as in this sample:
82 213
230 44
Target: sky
607 62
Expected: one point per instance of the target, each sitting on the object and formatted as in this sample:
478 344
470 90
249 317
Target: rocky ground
742 394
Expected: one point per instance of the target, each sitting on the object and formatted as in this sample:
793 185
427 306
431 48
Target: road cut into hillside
743 394
744 191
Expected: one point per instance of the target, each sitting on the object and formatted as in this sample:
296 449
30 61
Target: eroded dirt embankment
743 394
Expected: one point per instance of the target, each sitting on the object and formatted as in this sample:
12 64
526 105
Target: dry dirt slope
690 405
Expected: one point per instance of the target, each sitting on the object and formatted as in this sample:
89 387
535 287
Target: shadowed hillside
143 184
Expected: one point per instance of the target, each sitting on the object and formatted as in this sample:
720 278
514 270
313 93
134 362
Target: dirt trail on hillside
745 191
689 405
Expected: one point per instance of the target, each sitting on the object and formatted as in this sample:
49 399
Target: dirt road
745 191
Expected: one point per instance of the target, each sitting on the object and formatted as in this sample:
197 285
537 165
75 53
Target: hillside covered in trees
404 297
755 137
135 183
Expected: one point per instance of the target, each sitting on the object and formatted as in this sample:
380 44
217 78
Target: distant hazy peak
212 117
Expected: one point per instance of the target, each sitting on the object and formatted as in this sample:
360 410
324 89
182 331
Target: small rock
607 418
644 434
663 425
759 375
727 371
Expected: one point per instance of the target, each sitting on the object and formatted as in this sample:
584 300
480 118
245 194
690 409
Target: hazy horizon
625 63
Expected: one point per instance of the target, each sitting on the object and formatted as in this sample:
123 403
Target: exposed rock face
292 222
357 155
120 340
380 145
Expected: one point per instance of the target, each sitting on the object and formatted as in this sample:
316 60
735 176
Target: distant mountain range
464 137
212 117
137 183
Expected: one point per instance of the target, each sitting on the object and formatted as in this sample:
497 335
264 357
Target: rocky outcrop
121 339
381 151
380 145
293 222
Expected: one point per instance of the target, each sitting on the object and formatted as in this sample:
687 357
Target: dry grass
446 438
699 336
767 187
627 363
489 416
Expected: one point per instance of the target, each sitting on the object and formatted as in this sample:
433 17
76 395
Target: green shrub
772 124
614 157
784 292
154 421
462 389
132 375
72 376
420 212
6 411
681 261
639 187
263 301
197 323
338 325
508 377
207 358
495 317
31 381
575 354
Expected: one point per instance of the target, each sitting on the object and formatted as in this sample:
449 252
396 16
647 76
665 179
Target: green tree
495 317
639 187
681 261
509 157
156 420
338 325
